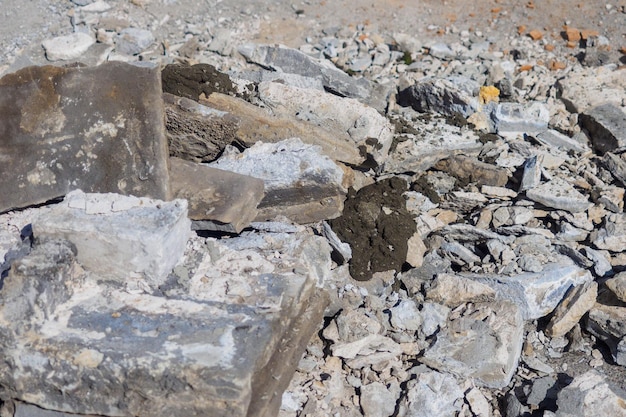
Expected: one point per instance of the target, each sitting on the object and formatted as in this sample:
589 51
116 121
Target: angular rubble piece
449 96
616 166
293 80
538 293
578 301
612 236
119 238
611 197
211 349
195 132
617 285
256 124
300 183
484 343
133 41
606 322
454 290
377 400
531 177
590 87
284 59
590 395
559 194
471 170
434 141
606 125
370 132
218 200
99 129
67 47
28 410
515 119
433 394
556 139
498 192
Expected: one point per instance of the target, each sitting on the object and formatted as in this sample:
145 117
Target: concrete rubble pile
369 225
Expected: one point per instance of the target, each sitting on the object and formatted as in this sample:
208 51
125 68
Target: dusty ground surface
24 25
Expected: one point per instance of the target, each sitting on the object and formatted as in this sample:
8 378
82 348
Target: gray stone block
218 200
119 238
606 125
283 59
300 183
99 129
590 395
199 347
512 119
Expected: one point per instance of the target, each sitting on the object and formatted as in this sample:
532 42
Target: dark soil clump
192 81
377 226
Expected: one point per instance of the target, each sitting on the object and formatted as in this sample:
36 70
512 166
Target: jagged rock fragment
449 96
485 345
300 183
433 394
370 132
559 194
606 125
99 226
590 395
218 200
578 301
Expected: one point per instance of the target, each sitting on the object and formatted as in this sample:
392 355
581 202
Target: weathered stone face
99 129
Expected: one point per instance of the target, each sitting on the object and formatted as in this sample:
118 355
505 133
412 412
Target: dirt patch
192 81
377 225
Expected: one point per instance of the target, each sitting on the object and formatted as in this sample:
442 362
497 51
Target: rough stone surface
617 284
559 194
300 183
204 349
518 119
470 170
433 394
606 125
486 350
218 200
132 41
613 235
256 124
578 301
67 47
590 87
283 59
446 96
196 132
537 294
119 238
590 395
371 133
453 290
71 132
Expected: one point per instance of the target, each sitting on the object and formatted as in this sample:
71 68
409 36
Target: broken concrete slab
559 194
284 59
99 129
119 238
300 183
195 132
197 352
606 125
485 344
218 200
442 95
256 124
370 132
